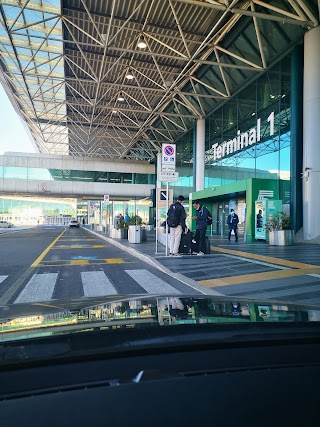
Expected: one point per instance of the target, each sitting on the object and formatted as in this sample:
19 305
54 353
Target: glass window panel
15 173
38 173
268 165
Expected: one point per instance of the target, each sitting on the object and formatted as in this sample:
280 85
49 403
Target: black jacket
180 212
202 215
233 225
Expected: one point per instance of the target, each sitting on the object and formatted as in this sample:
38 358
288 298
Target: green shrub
135 220
280 221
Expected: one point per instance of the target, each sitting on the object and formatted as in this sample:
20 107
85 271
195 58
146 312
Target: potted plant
122 229
119 231
279 229
134 226
134 220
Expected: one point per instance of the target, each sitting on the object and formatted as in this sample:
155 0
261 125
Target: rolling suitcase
185 243
206 249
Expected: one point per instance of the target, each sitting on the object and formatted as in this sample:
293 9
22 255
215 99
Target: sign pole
167 208
159 159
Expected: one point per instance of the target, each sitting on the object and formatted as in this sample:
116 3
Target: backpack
173 216
209 218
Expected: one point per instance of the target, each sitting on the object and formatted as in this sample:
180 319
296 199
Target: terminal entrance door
222 211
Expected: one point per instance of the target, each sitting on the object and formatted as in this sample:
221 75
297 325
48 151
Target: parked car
5 224
74 223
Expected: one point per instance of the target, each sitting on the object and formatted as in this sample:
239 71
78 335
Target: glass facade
16 172
19 210
247 137
109 211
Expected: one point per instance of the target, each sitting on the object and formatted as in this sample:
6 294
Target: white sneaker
200 253
194 253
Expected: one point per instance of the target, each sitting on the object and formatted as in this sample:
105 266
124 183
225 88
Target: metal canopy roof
66 64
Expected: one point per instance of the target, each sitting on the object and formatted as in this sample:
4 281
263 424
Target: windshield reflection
151 311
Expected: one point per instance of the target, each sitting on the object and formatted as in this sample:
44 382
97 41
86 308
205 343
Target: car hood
23 321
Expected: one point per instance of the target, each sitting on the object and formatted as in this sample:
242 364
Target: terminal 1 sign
242 141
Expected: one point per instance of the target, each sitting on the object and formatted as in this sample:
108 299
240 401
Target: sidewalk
251 270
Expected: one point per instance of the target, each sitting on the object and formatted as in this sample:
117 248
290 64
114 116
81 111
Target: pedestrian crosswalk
97 284
39 288
46 286
2 278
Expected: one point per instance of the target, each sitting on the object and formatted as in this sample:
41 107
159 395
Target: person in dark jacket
176 220
201 227
233 221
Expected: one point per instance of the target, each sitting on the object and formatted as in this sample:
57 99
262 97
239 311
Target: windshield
151 164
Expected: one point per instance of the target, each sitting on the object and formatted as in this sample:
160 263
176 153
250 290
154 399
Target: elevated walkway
74 177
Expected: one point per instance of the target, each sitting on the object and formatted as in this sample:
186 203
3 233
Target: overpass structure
74 177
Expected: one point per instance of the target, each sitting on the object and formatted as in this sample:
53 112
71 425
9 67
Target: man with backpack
203 217
176 220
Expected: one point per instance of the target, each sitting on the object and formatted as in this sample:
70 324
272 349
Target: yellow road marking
257 277
69 263
68 260
44 253
273 260
77 240
114 261
48 305
79 247
79 262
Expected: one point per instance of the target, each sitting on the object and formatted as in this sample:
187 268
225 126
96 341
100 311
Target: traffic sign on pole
162 196
168 176
168 157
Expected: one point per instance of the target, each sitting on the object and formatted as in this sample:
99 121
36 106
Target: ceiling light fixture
120 97
141 43
129 75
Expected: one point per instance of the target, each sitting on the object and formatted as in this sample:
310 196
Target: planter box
134 235
119 234
281 238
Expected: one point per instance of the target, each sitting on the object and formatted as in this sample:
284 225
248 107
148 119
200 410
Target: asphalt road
50 263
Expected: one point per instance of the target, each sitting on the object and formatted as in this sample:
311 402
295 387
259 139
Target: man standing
176 220
233 221
202 214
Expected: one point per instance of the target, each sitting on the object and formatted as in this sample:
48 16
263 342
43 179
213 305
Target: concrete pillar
311 135
296 149
88 212
194 151
200 150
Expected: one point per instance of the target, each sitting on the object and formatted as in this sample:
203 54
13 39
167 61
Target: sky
13 136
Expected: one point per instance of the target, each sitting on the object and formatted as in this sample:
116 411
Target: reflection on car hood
21 321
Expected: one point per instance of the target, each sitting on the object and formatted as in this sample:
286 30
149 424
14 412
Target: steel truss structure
68 64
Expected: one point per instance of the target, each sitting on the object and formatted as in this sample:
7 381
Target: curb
154 263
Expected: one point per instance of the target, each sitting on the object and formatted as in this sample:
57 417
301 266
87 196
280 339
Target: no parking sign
168 157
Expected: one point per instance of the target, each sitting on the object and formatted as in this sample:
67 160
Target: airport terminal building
234 84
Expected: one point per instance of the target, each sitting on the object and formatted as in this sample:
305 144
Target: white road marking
2 278
96 284
39 288
151 283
